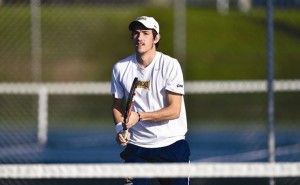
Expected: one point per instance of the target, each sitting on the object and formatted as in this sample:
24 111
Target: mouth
139 44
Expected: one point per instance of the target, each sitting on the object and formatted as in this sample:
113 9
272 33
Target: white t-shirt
164 73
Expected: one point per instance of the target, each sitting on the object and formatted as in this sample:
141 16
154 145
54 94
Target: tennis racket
129 105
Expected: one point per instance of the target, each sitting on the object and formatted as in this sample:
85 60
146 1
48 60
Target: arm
171 111
117 110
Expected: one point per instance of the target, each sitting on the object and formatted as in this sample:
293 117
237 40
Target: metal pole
180 32
270 85
36 50
43 116
223 6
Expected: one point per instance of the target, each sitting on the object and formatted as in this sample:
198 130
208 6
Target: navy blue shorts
177 152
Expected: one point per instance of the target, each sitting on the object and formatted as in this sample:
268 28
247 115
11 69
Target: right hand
121 140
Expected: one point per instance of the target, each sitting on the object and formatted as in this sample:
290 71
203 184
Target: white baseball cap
148 22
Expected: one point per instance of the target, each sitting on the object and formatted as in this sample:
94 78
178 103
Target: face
143 40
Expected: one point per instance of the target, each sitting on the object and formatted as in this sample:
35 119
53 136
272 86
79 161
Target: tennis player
157 124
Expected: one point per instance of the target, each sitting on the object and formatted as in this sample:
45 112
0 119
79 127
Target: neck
144 59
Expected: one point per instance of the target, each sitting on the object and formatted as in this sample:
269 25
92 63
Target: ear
157 38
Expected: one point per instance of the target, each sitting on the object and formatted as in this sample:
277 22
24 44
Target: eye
135 33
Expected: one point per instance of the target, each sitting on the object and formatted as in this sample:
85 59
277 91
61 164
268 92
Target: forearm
170 112
167 113
117 116
117 111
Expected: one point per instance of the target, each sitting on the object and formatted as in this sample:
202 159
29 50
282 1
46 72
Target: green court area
93 38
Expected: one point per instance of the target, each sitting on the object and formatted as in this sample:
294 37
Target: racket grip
125 133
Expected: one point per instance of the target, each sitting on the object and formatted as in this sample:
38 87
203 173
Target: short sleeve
116 88
174 81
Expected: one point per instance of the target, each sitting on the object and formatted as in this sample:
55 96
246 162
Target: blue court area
99 146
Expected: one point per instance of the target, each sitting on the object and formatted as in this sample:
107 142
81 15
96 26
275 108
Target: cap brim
133 23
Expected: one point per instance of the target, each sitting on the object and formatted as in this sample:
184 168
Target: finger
129 125
121 138
119 141
124 142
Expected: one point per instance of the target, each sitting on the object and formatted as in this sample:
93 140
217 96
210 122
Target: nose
139 36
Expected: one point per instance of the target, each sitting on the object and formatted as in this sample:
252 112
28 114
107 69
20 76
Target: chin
139 51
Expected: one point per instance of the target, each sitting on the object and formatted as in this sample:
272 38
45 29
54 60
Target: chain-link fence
79 41
72 41
63 40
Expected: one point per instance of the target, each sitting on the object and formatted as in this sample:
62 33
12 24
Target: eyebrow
141 30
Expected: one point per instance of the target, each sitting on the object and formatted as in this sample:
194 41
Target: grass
234 46
94 38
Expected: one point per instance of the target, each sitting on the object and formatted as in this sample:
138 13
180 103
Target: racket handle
125 133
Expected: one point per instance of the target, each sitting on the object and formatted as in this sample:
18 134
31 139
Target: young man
157 124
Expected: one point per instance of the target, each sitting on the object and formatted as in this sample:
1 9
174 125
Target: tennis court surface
99 146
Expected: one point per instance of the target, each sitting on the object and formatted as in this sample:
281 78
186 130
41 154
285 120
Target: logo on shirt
143 84
179 85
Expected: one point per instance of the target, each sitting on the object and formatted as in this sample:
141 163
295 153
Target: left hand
133 119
